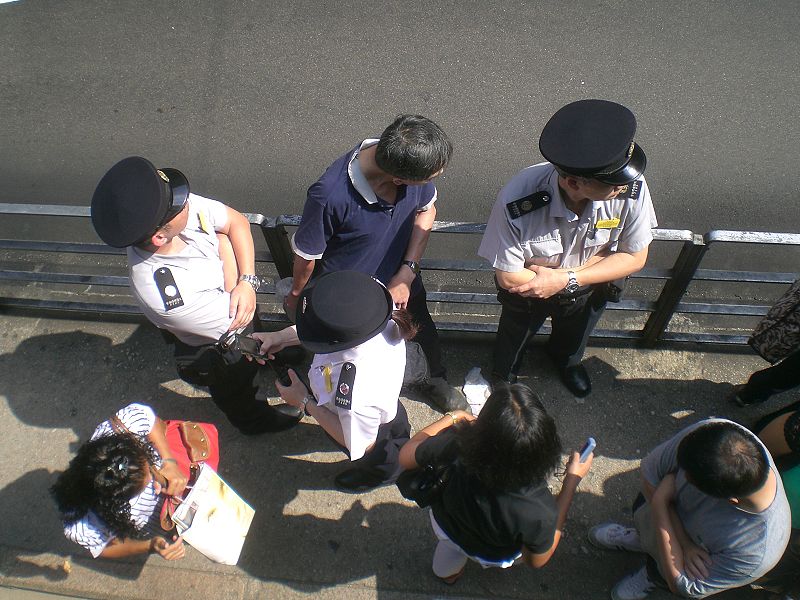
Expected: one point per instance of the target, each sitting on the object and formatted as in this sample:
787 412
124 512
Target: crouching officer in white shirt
347 319
180 246
564 234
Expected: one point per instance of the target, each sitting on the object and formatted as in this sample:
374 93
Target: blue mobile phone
587 449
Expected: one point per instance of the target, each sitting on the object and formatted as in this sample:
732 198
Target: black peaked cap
130 202
594 138
341 310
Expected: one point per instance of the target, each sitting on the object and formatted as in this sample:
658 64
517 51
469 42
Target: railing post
682 274
278 243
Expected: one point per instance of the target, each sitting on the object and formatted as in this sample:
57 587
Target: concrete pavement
58 378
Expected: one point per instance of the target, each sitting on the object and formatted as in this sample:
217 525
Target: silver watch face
572 284
253 280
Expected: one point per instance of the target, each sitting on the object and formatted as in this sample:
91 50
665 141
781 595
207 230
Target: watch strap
413 265
253 280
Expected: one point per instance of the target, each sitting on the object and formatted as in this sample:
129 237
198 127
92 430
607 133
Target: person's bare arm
176 480
243 296
508 280
275 341
117 548
408 452
670 553
400 284
302 269
294 395
576 471
548 281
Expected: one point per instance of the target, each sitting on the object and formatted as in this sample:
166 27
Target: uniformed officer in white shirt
346 318
564 234
176 275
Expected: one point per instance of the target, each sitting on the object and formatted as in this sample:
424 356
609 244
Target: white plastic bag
476 389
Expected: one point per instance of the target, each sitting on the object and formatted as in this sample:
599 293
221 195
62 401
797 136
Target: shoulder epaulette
633 192
529 203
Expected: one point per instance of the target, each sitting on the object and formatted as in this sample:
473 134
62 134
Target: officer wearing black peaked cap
192 271
564 234
347 319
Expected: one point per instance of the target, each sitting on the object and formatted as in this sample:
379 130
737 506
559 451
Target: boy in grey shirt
713 515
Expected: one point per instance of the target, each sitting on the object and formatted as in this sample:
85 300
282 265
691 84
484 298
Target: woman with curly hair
495 507
111 494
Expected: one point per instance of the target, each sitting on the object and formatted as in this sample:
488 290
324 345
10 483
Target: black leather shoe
358 480
280 418
289 411
577 381
443 395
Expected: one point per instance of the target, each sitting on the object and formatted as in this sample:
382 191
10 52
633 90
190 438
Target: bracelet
172 460
452 416
306 400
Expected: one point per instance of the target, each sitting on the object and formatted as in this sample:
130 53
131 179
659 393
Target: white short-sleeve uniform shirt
90 531
196 307
379 363
554 236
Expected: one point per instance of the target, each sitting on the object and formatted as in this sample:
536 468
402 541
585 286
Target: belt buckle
564 300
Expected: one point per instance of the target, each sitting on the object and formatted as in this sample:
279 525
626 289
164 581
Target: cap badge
162 175
630 150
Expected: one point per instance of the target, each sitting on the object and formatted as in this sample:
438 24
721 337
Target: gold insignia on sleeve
162 175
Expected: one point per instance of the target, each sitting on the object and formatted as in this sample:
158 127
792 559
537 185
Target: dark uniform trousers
427 336
573 319
383 460
231 386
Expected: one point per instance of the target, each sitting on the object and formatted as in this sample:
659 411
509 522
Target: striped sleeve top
90 531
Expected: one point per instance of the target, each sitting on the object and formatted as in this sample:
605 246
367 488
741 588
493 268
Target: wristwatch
253 280
572 285
306 400
413 265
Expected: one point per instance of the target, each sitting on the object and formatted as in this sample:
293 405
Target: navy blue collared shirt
346 227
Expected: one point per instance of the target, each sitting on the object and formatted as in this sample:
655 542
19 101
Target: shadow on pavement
305 535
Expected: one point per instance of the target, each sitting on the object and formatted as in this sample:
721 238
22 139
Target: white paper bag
213 518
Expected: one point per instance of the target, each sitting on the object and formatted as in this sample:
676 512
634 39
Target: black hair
723 460
512 443
405 322
414 148
104 475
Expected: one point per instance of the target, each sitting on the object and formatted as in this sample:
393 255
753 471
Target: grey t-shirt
743 546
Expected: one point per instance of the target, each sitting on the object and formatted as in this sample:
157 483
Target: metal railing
669 299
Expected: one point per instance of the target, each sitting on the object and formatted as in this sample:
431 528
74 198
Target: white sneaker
634 587
614 536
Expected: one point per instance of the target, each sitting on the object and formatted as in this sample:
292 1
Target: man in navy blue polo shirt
372 211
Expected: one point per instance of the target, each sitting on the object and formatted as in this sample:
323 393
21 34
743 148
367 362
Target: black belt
564 298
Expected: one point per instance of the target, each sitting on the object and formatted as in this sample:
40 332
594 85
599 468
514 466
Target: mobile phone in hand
587 449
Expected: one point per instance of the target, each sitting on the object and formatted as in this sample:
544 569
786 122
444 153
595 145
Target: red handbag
192 443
